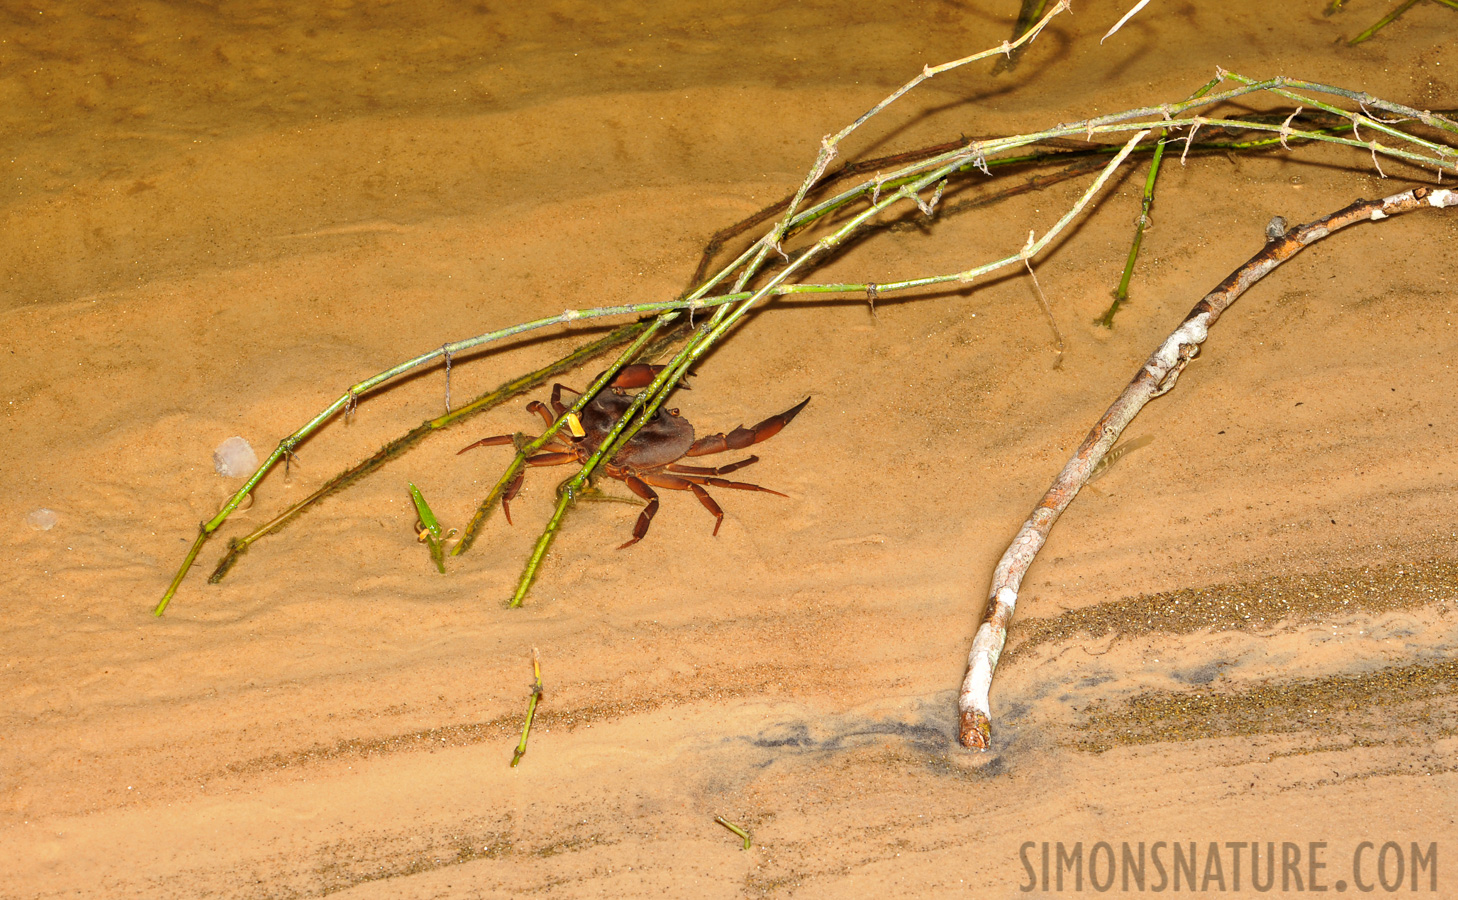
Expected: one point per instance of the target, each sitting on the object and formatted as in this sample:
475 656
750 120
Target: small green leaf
422 509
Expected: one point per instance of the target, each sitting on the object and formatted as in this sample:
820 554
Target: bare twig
1047 311
1027 15
1127 16
1155 377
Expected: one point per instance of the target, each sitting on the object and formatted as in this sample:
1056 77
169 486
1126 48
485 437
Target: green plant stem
906 184
526 728
398 446
963 276
734 828
539 551
829 145
1121 293
197 544
1167 116
1286 87
1383 22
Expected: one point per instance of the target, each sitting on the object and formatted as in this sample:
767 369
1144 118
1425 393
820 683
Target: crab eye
673 412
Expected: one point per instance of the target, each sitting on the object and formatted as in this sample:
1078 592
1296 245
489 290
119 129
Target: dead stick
1157 376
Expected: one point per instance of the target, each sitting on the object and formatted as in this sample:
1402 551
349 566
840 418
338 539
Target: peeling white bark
1155 377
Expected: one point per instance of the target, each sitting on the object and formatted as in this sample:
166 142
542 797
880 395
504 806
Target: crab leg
541 459
742 437
494 441
710 470
538 406
726 483
558 406
510 492
642 490
680 483
501 439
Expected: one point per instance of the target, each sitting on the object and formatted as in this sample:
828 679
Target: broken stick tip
976 730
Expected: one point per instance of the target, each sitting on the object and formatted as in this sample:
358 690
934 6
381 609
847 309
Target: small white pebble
42 519
234 458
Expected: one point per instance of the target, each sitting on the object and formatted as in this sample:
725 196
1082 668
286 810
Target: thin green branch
1286 87
397 447
744 835
526 728
1121 293
829 145
979 154
906 185
1383 22
1030 249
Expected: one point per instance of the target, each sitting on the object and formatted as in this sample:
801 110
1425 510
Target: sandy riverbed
217 219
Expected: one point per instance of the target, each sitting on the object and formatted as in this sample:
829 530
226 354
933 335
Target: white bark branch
1155 377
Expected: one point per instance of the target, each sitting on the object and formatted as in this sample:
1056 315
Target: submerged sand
218 218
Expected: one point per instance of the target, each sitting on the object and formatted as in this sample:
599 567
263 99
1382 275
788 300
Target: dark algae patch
1251 605
1420 700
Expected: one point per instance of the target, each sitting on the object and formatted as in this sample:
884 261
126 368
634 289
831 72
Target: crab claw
494 441
635 376
639 375
742 437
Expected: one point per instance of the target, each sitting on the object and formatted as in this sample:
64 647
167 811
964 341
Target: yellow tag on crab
574 425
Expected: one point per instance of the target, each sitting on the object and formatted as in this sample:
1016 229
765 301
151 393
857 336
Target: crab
650 458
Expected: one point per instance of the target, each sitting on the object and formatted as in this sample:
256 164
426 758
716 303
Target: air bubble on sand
234 458
42 519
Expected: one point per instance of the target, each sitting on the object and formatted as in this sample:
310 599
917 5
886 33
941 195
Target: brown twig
1155 377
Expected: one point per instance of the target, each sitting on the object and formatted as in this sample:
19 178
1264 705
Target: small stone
234 458
42 519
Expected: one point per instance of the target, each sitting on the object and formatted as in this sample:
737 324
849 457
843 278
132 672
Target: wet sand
219 219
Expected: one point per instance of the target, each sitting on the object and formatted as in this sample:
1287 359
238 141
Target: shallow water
218 218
